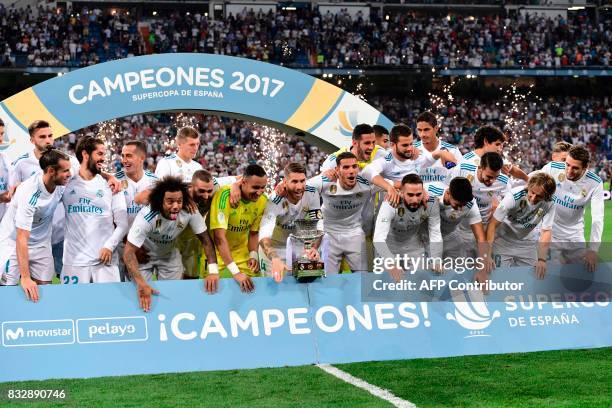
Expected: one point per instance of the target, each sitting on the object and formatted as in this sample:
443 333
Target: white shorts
351 246
167 268
41 264
72 274
454 247
509 252
567 252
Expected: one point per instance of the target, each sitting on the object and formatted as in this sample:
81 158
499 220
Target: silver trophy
302 239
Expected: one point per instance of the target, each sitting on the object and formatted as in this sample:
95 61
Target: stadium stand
46 37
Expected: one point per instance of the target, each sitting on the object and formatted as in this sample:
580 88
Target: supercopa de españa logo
472 313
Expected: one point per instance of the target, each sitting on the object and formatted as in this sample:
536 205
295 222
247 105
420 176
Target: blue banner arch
237 87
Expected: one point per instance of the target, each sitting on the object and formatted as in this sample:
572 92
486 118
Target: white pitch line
372 389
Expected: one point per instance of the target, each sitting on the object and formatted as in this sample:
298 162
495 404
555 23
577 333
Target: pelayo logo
472 313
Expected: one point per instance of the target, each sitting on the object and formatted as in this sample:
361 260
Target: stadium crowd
47 37
228 145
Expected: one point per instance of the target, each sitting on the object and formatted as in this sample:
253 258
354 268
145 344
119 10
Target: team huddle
388 194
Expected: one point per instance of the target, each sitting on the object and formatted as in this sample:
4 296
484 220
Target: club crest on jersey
285 205
540 212
423 217
561 177
99 193
490 193
124 185
333 189
470 178
359 195
583 193
477 161
179 163
453 216
158 223
523 204
401 211
180 225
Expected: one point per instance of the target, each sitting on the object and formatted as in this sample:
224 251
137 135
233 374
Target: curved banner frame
237 87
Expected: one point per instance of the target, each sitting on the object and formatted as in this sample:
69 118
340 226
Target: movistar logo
14 334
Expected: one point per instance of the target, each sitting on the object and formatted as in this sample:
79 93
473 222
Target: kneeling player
156 227
397 229
519 213
457 203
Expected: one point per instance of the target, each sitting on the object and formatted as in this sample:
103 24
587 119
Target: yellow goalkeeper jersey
238 223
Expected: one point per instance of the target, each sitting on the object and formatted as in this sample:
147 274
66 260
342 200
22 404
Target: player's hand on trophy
235 194
211 283
540 269
142 255
590 259
30 288
245 283
105 256
278 269
145 291
312 254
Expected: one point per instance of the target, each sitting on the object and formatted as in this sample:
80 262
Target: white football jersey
451 218
571 198
519 218
485 196
31 209
91 210
278 218
437 172
401 227
389 167
131 188
173 165
4 181
26 165
157 233
342 209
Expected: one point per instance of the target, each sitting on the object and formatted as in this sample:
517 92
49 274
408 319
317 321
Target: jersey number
75 279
